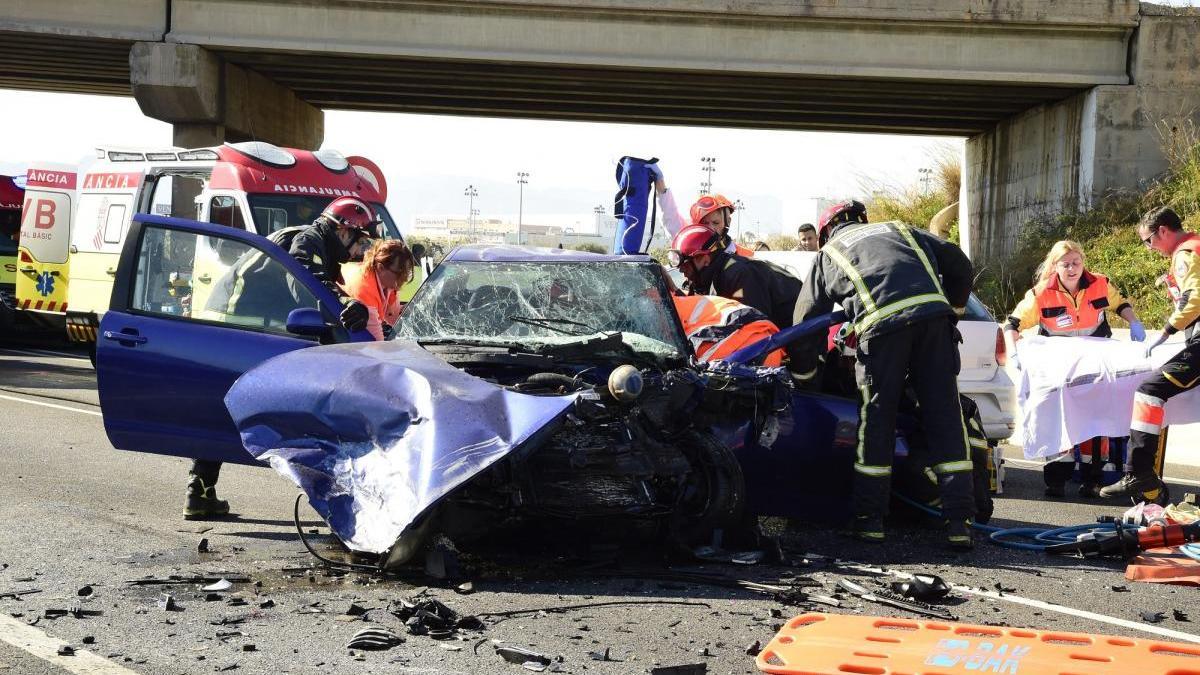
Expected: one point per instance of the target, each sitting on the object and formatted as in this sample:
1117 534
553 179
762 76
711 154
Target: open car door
165 363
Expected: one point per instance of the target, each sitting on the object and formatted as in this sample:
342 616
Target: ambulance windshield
275 212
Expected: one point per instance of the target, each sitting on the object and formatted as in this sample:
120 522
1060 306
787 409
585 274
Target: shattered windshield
543 304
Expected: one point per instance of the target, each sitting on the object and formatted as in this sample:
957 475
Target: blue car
521 385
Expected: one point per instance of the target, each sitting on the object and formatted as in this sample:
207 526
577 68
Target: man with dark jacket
332 239
711 270
903 290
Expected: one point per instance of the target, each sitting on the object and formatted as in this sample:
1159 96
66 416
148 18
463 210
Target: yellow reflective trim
855 277
1179 384
870 470
865 392
912 241
977 443
954 467
900 305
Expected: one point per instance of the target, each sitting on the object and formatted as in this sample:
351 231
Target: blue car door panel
194 306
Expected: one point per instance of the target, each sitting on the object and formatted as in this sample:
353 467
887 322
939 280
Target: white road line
50 405
35 642
1028 464
1049 607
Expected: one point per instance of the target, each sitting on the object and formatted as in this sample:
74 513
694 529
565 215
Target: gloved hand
655 172
354 316
1162 337
1137 332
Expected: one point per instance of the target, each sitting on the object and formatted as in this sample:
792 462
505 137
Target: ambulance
11 197
74 220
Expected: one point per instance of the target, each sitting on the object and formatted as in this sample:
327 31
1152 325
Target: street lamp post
740 206
706 165
926 177
471 193
521 176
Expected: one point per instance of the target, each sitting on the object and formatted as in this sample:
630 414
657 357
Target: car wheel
715 495
413 540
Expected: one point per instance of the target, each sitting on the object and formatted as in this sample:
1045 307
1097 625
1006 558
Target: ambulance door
43 250
107 202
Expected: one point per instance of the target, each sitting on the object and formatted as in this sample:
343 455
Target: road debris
180 579
84 592
167 603
923 587
688 669
374 638
754 648
605 655
66 650
76 611
588 605
899 602
1153 617
524 657
202 547
16 595
1180 615
218 586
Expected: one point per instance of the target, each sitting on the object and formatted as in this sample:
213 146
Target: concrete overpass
1058 97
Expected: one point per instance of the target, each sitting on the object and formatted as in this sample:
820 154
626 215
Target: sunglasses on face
1147 240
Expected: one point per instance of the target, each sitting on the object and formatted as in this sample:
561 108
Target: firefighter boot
958 534
202 500
868 528
1145 486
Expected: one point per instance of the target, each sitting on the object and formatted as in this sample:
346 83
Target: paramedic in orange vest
712 211
718 327
375 282
1162 231
1068 300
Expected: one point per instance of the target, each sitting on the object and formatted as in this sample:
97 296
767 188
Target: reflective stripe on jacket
886 276
361 283
718 327
1183 279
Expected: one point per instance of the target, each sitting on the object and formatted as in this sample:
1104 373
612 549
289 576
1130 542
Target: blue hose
1027 538
1191 550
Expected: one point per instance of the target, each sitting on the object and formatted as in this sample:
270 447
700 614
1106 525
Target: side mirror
306 321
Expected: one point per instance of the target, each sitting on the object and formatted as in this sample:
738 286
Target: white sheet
1073 389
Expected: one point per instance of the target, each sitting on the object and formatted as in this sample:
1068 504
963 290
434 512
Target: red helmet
707 204
852 211
691 240
350 212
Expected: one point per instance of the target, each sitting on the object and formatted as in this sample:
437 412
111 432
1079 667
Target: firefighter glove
354 316
1137 332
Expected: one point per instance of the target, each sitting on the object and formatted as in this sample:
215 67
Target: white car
982 376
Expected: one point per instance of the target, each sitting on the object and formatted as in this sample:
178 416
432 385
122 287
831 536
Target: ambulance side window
180 274
175 196
224 210
114 223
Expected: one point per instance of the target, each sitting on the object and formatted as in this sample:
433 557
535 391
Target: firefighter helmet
852 211
707 204
350 212
692 240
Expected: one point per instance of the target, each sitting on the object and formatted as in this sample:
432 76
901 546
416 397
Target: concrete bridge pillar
1066 156
210 102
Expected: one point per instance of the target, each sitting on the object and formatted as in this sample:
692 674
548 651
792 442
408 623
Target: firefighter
1162 231
1069 300
903 290
718 327
712 211
701 255
376 281
335 237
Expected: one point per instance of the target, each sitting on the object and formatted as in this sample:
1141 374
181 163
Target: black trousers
923 356
208 471
1182 372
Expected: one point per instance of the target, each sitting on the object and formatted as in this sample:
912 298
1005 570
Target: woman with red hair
386 266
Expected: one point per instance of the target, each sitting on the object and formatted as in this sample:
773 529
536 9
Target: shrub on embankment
1108 237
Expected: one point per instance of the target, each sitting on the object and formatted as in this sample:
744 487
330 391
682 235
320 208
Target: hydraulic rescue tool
1127 541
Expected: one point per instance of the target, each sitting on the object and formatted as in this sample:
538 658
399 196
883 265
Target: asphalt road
74 512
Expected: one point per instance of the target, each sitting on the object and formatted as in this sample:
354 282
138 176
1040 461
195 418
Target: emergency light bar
160 156
332 160
121 156
265 153
188 155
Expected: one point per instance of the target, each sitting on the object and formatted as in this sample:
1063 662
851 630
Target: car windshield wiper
546 322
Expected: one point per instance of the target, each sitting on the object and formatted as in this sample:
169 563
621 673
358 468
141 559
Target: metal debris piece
587 605
1153 617
167 603
754 648
523 656
605 655
465 588
688 669
202 547
249 647
76 611
66 650
923 587
892 600
84 592
1180 615
179 579
17 594
374 638
218 586
1120 589
266 604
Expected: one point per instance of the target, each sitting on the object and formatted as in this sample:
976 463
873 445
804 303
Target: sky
429 160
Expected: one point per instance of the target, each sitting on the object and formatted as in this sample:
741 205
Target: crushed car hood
376 433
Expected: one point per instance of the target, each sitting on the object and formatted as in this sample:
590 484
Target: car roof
476 253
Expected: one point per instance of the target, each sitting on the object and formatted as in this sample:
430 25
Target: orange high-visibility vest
718 327
361 283
1059 315
743 251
